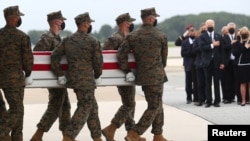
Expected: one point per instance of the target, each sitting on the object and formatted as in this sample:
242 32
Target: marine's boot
97 139
133 136
159 138
38 135
5 138
67 138
109 132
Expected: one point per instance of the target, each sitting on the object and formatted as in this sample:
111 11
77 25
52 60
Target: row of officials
221 59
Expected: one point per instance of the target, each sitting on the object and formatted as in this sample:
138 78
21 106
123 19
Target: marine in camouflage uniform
59 104
85 60
125 113
149 46
16 61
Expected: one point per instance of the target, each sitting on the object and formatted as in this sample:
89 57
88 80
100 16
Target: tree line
172 27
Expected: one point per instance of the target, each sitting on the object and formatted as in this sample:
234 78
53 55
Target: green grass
171 44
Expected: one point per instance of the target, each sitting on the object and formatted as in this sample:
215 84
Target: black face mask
131 27
155 22
231 30
89 29
63 26
19 22
210 29
244 36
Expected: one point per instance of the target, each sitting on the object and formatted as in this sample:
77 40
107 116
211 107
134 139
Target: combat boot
97 139
67 138
133 136
5 138
159 138
109 132
38 135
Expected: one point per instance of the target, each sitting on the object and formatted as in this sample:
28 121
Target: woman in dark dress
241 50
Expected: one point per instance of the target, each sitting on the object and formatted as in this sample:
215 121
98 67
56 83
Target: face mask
131 27
19 22
63 26
244 36
231 30
210 29
155 22
89 29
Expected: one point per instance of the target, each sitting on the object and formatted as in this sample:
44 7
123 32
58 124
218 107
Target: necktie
211 37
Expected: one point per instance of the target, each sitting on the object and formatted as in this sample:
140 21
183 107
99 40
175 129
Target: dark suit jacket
208 53
187 52
227 49
179 40
198 56
238 50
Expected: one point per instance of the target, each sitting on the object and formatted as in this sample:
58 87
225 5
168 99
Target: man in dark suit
200 75
210 43
229 72
188 54
184 36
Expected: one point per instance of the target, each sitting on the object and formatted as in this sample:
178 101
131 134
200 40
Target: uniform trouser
86 111
12 120
58 107
125 113
154 114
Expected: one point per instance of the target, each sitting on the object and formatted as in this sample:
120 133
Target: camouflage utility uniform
85 60
125 114
59 104
150 50
16 58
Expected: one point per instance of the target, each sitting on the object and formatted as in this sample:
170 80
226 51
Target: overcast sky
105 11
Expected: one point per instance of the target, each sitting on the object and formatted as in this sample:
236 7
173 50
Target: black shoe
199 104
216 105
208 105
189 101
227 101
243 104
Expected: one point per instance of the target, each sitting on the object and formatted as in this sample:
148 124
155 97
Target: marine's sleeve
56 58
112 43
44 43
164 51
97 60
27 55
122 56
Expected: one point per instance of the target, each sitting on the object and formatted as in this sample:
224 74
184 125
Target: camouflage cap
124 17
148 12
55 15
84 17
12 10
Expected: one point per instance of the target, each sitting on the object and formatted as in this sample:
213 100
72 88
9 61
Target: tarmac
183 122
